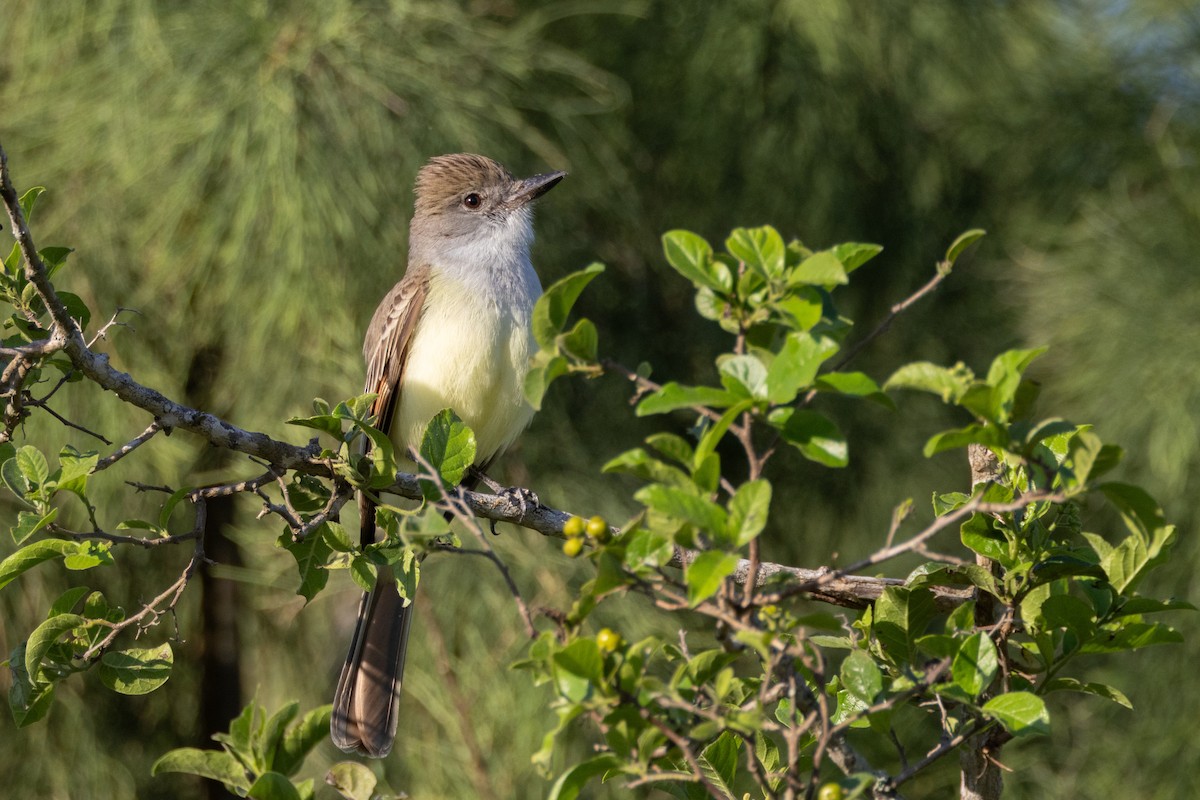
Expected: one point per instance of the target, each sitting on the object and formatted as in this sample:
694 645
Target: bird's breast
469 352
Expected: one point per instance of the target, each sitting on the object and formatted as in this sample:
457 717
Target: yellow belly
469 354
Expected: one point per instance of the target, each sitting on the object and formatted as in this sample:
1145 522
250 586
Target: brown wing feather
386 346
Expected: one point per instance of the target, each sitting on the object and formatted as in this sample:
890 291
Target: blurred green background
240 174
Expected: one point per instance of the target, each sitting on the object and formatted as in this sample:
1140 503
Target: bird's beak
530 189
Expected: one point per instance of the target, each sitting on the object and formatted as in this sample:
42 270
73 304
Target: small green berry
573 546
608 640
597 529
573 527
830 791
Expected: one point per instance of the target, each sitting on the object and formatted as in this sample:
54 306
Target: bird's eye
472 201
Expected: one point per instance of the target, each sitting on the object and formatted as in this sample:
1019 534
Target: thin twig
129 447
896 310
170 595
44 407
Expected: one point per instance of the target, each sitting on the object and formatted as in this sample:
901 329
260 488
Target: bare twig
151 611
68 423
103 332
129 446
118 538
943 271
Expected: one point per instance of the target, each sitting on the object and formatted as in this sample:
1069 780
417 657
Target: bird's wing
389 338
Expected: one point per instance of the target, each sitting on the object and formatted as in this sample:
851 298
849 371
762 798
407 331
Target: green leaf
168 507
719 761
326 423
900 616
1123 635
267 742
801 308
407 574
29 199
67 601
744 375
686 507
217 765
748 510
273 786
449 447
137 670
850 710
577 667
673 396
552 308
571 783
1071 613
43 638
760 249
713 435
978 534
692 257
543 372
861 677
74 468
814 435
949 501
28 700
641 464
1097 689
935 574
32 465
312 555
672 446
1062 566
963 241
975 665
29 523
352 780
1148 605
76 308
582 341
33 554
301 738
854 384
947 383
363 572
54 257
1004 376
647 548
382 456
987 435
90 554
705 574
796 365
1126 563
819 269
243 731
1021 713
1141 512
853 254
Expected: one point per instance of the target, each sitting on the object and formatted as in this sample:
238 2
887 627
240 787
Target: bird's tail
365 705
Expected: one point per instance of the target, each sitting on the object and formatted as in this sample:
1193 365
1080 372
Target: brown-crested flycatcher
453 333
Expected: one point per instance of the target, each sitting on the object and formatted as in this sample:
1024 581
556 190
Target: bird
454 332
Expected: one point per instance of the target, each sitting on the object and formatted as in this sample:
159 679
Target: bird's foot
518 497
